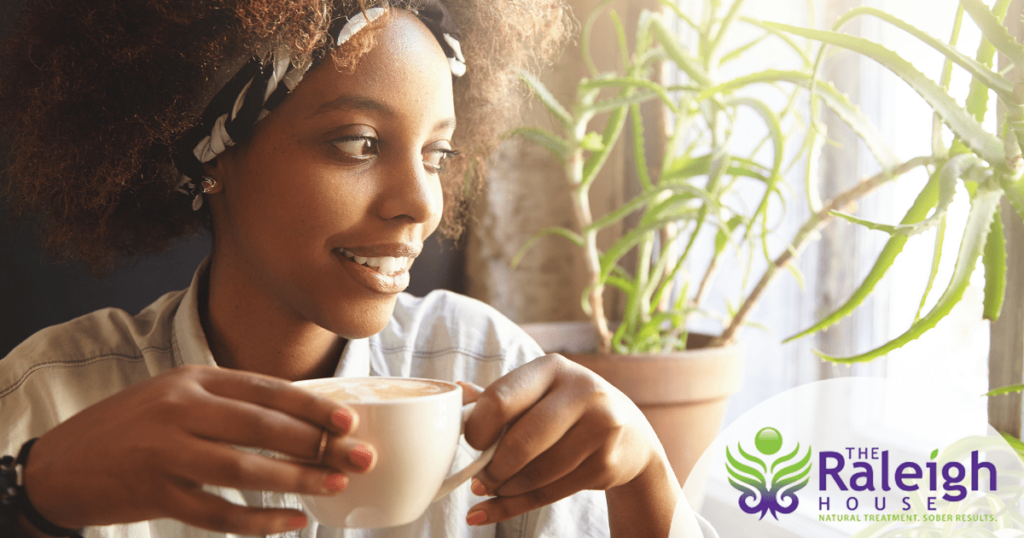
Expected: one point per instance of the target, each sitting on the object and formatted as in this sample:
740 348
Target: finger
200 509
570 452
530 436
217 464
242 423
281 395
470 391
350 455
498 509
508 398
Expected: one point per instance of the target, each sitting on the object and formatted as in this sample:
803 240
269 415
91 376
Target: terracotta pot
682 394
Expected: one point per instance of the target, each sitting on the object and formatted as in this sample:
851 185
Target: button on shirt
64 369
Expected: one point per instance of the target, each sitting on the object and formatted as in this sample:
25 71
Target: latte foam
377 389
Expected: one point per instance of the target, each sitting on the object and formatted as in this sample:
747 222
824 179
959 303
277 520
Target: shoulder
444 333
64 368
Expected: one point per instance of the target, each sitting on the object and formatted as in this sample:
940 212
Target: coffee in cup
414 425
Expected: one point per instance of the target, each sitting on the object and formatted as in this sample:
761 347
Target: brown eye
434 159
358 147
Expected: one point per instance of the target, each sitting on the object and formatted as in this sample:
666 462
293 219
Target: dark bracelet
14 497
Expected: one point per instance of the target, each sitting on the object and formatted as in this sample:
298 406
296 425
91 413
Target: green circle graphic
768 441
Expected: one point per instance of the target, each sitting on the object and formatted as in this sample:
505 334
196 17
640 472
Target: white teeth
387 265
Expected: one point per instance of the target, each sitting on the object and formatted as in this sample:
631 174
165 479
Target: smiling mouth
385 265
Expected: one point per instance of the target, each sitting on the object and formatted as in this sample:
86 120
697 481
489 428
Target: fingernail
336 482
361 457
297 522
477 487
476 518
342 419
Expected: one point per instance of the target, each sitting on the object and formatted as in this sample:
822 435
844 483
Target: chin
362 321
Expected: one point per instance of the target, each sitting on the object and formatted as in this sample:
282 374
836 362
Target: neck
248 330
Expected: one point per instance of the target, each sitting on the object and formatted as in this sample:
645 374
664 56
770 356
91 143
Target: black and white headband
267 79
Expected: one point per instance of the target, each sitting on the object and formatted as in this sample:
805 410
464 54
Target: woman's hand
146 452
569 430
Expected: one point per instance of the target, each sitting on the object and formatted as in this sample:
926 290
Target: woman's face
340 178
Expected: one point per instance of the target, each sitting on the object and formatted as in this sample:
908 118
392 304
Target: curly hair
94 95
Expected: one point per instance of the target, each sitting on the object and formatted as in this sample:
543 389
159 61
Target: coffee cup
414 425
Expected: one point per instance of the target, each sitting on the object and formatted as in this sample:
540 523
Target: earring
208 184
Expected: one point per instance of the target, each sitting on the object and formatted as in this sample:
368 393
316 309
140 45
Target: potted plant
691 197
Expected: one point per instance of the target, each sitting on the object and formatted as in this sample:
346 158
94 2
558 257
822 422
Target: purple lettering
825 471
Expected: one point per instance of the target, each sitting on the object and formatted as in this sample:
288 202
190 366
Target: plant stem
807 231
592 261
705 282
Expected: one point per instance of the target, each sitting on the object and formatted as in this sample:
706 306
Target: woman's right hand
146 452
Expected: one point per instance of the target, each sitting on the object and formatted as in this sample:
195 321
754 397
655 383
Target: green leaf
955 168
986 145
620 33
978 70
940 240
994 260
782 36
1005 390
730 16
924 202
994 31
664 194
934 453
612 130
592 142
547 139
639 151
979 220
738 51
634 236
554 230
778 141
1016 444
686 62
835 100
588 28
545 96
631 82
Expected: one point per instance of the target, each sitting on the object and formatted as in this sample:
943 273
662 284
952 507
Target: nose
410 192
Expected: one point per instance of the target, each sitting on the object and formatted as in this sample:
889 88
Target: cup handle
459 477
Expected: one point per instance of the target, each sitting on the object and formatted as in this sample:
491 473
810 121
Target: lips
382 269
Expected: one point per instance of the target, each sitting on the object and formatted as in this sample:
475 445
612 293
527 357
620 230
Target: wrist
644 506
19 509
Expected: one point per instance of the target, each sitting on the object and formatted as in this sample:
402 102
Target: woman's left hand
568 430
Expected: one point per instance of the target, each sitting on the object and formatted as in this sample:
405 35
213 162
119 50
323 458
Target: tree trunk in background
526 191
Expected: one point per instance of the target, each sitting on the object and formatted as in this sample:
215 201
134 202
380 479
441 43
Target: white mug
415 437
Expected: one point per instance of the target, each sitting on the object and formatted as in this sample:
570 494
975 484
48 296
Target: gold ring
323 448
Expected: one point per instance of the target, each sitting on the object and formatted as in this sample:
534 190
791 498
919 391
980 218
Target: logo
768 488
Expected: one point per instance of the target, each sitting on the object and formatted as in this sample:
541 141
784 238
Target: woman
319 166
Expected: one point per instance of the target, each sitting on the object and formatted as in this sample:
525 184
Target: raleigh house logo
768 487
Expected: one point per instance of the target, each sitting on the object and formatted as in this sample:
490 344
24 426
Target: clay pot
682 394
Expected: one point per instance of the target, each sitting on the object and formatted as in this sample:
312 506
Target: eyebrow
347 102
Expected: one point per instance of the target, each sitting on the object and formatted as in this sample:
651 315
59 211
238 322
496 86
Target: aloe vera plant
691 195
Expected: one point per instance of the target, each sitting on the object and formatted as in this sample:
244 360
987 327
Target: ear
218 170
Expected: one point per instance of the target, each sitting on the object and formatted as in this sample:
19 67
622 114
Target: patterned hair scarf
266 80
